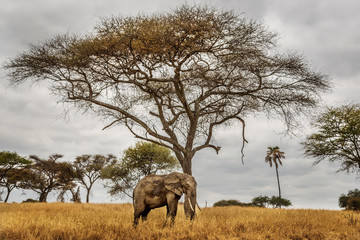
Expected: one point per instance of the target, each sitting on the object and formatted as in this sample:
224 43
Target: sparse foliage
337 138
139 161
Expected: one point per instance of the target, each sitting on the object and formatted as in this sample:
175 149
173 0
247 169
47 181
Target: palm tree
274 155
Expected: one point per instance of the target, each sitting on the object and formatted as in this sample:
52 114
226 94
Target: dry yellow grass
114 221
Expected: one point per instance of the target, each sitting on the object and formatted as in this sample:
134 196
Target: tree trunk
87 195
186 167
88 189
277 175
7 194
43 196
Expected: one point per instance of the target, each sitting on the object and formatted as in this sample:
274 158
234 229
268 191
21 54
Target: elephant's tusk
191 205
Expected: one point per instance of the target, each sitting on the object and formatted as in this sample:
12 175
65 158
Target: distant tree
350 201
353 203
43 175
13 179
11 160
337 138
261 201
143 159
273 156
30 200
88 169
278 202
68 182
226 203
11 171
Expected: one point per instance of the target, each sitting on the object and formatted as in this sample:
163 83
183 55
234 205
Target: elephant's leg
138 211
172 211
167 215
145 214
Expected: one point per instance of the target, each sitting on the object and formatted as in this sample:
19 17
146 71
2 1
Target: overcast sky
327 32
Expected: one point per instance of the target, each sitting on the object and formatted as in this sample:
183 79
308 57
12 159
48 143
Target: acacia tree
11 171
273 156
13 179
68 181
174 78
337 138
43 175
88 169
9 161
139 161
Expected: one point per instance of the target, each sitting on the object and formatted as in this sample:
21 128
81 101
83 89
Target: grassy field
114 221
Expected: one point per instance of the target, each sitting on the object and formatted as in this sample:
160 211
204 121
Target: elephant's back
149 181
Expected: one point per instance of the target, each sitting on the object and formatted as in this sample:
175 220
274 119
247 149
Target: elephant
154 191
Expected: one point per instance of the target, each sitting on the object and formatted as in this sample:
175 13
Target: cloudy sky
325 31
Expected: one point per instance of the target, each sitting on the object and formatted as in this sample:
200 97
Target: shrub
225 203
260 201
278 202
30 200
351 201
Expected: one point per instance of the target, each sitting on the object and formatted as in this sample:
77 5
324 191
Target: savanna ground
114 221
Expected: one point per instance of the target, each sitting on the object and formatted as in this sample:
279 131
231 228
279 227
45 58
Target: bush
30 200
260 201
225 203
278 202
351 201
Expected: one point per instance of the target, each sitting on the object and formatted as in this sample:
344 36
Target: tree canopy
43 175
337 138
12 171
9 161
174 78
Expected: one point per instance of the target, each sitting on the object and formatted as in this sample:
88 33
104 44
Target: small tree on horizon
88 169
42 175
351 200
261 201
278 202
273 156
11 171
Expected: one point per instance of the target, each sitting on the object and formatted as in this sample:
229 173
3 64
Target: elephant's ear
173 184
